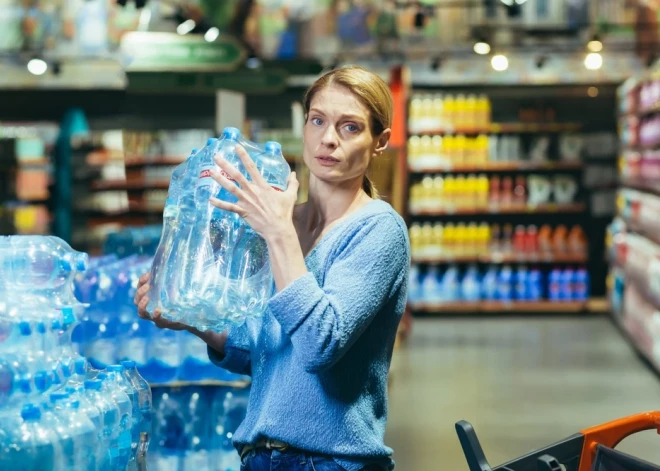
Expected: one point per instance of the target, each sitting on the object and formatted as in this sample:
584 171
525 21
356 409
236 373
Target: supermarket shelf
506 258
633 333
182 384
641 185
155 160
497 128
509 209
497 307
130 185
505 166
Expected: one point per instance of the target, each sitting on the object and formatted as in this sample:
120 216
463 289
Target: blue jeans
267 460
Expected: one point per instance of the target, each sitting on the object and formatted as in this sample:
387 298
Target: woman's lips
327 160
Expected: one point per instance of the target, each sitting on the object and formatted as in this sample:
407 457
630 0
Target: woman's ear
383 140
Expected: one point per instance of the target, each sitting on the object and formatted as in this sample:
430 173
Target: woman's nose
329 138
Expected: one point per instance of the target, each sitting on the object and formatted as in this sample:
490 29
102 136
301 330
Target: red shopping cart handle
611 433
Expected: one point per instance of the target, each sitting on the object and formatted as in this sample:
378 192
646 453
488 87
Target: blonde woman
320 357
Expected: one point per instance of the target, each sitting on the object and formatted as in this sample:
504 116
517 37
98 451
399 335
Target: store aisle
523 383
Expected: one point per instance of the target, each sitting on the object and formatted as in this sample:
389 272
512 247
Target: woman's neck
327 203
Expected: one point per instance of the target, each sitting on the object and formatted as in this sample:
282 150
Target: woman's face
337 140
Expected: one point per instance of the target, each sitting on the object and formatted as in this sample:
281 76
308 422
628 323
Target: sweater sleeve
237 357
323 322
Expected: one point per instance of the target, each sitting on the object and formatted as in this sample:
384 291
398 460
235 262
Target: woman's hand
268 211
141 300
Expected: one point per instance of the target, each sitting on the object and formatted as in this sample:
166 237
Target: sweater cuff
236 360
299 298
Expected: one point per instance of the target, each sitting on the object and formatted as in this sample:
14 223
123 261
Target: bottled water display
210 267
57 412
112 332
187 436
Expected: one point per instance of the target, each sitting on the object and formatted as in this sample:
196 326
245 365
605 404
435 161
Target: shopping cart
589 450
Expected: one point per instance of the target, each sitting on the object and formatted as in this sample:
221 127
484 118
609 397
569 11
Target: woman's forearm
214 340
286 257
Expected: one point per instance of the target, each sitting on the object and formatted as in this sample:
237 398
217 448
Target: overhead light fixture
510 3
592 92
595 45
482 47
37 66
212 34
593 61
186 27
499 62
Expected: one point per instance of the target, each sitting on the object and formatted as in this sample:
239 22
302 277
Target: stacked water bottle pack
112 331
57 413
194 426
211 269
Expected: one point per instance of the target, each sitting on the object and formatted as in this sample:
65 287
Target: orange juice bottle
484 106
449 112
460 239
461 106
544 238
577 240
449 238
449 192
483 238
482 189
481 150
472 237
448 150
437 241
471 117
437 192
471 189
436 150
459 191
415 234
560 239
459 147
427 193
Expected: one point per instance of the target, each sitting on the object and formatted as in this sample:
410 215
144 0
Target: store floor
523 383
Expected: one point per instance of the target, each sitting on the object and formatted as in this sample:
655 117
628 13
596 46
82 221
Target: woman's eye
317 121
352 128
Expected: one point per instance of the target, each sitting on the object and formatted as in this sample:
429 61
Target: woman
319 358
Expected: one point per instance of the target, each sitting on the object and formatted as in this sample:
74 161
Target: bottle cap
210 141
58 396
115 368
273 147
42 381
231 133
102 376
30 412
25 328
93 384
128 364
80 366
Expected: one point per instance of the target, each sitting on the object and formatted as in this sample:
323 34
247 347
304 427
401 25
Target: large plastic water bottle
169 427
133 343
30 446
41 266
163 356
83 432
169 234
144 400
229 409
115 374
197 433
109 416
96 450
112 389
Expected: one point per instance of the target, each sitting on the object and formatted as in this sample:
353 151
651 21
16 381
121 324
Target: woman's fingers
230 172
223 179
234 208
292 184
251 167
144 278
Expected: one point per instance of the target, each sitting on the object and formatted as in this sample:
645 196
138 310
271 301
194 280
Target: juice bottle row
460 150
504 284
478 191
437 113
479 239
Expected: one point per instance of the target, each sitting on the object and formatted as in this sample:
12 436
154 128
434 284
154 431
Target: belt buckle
276 445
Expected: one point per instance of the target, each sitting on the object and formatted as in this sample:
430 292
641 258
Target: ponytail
369 187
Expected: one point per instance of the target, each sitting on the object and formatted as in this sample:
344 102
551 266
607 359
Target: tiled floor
522 382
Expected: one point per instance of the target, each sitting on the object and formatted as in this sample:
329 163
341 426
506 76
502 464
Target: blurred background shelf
509 209
505 166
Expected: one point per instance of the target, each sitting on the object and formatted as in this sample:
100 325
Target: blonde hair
371 90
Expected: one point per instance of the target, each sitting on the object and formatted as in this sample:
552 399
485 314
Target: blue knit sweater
320 356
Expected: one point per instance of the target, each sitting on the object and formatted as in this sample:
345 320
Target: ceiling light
212 34
481 47
510 3
595 45
37 66
592 92
499 62
186 27
593 61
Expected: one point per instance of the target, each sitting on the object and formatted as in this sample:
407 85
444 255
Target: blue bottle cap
65 266
210 141
56 325
193 152
115 368
231 133
93 384
273 147
41 327
25 386
80 366
25 328
68 317
42 381
102 376
81 261
58 396
128 364
30 412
